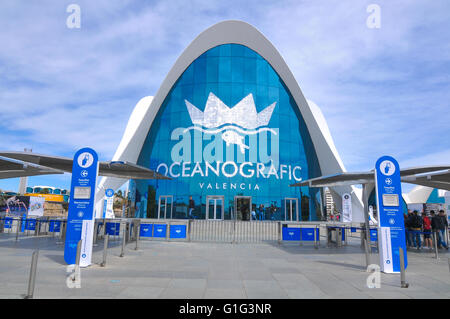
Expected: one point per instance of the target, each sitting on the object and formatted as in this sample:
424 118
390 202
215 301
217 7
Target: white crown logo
243 114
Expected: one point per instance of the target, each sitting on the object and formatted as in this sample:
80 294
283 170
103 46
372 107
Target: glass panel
231 72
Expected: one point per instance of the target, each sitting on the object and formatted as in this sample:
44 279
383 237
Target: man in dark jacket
439 224
415 224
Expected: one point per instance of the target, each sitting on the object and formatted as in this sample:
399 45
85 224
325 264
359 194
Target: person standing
407 229
191 207
440 225
427 231
261 212
416 227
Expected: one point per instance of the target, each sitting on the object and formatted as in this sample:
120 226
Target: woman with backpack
427 231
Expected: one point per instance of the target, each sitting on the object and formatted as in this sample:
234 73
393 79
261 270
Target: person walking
427 231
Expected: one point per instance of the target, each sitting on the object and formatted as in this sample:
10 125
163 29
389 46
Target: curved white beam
236 32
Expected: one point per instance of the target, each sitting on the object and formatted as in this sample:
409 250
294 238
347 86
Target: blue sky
382 91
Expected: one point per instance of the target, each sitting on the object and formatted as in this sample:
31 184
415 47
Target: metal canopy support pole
366 214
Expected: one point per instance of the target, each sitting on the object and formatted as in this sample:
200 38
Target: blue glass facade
208 136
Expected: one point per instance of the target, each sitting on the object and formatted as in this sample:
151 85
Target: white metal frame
290 200
165 210
215 198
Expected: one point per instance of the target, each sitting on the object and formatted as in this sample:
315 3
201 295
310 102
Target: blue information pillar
80 221
391 224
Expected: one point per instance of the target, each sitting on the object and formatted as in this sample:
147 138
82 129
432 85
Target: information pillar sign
108 211
80 220
391 225
347 208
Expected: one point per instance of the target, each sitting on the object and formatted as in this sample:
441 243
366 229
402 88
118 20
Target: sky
383 91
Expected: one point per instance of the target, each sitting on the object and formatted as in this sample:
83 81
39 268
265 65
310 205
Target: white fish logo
231 137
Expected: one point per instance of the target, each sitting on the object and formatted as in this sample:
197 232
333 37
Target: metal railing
233 231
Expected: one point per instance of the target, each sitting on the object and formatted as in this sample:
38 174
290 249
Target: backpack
426 223
416 222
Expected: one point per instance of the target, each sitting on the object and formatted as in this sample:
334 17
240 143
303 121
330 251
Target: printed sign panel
36 207
30 224
160 230
146 230
8 222
373 235
390 214
291 234
55 226
346 208
112 229
177 231
308 234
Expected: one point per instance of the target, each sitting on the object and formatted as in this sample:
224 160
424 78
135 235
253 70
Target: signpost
80 220
391 225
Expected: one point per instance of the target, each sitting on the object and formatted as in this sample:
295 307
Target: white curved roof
226 32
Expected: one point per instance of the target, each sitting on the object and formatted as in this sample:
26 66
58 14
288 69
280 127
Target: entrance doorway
243 207
291 209
214 206
165 206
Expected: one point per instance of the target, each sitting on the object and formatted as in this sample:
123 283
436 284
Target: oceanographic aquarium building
232 129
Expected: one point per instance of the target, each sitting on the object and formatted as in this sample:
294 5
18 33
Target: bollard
315 237
95 233
403 282
138 233
32 278
18 229
366 250
189 230
435 237
124 231
105 250
279 233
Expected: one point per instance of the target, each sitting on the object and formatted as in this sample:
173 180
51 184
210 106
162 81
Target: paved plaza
160 269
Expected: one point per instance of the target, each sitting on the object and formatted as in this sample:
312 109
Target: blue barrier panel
146 230
177 231
373 234
112 229
160 230
30 224
308 234
8 222
55 226
291 233
353 229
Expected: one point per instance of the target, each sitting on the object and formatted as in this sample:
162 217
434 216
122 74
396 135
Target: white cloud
382 91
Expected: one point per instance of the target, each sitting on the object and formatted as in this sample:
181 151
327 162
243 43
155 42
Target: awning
431 176
124 170
12 169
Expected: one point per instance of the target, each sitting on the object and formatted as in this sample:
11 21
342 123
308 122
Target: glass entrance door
165 205
214 206
291 209
243 207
